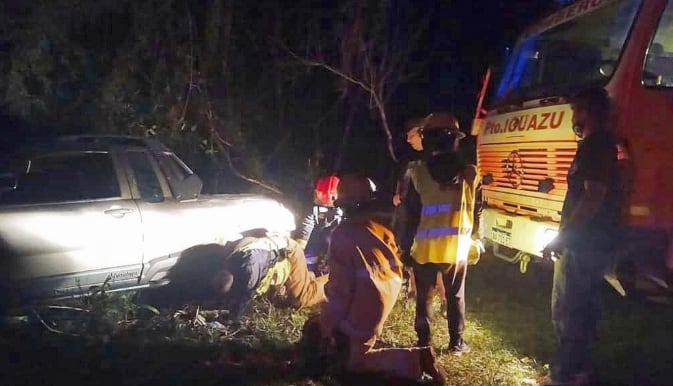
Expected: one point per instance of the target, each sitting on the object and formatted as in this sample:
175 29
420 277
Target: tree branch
333 70
224 146
374 88
191 69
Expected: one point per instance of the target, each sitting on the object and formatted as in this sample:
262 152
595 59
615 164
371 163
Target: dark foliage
214 79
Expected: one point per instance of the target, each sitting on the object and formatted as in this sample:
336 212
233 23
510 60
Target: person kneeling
365 281
259 265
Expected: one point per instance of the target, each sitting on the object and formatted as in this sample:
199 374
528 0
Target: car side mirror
8 182
189 188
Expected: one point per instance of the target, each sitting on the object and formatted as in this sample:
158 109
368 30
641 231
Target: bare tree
373 58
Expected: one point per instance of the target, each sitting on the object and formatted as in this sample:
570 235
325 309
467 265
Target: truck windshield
565 52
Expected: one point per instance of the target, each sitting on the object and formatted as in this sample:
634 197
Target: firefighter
407 215
587 239
259 264
449 227
316 226
365 281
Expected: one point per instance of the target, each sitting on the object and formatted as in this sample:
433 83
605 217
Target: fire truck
525 142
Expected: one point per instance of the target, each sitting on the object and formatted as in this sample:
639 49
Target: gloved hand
476 250
479 245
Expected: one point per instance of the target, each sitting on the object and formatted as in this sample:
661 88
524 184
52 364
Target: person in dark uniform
314 230
585 246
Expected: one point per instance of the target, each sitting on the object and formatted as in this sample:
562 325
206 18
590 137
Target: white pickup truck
81 211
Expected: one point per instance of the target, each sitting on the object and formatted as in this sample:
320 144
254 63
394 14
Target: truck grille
515 173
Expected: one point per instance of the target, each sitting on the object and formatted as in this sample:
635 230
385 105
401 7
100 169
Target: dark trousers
575 302
425 276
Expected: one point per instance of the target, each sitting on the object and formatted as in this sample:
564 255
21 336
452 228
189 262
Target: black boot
430 367
459 347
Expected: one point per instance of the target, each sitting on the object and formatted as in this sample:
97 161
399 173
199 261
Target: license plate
501 237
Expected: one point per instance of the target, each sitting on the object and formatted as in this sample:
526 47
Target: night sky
464 38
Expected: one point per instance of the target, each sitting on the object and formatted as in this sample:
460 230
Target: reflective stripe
269 243
277 275
311 260
441 232
429 210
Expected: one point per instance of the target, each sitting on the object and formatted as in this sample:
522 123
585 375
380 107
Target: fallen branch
231 334
67 308
223 145
49 328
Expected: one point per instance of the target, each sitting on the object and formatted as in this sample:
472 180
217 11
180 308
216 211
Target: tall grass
508 328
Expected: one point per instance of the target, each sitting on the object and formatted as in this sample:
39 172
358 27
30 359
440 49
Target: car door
168 224
71 224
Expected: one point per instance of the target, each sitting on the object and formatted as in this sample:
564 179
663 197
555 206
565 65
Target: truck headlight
545 237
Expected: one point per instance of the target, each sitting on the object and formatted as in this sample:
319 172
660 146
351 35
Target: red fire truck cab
526 143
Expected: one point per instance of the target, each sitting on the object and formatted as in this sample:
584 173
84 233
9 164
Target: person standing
408 214
401 179
365 281
449 191
585 245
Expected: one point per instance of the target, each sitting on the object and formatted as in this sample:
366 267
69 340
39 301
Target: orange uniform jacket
365 279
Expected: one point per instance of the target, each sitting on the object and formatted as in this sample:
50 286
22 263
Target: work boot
459 348
431 368
580 379
549 381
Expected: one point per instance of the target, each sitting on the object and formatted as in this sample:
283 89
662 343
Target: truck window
573 48
65 177
145 177
658 68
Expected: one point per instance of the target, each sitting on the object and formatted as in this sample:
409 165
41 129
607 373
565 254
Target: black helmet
441 120
354 189
441 132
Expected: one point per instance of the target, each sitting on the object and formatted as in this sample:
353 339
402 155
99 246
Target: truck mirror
606 69
477 126
8 182
189 188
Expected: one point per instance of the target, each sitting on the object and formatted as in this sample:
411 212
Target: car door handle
118 212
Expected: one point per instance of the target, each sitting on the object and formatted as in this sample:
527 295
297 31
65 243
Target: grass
508 328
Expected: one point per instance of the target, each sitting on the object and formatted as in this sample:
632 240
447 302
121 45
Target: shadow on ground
635 345
35 359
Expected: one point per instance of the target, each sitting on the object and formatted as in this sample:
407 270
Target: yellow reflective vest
445 228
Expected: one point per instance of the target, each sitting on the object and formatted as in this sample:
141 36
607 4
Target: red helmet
326 190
